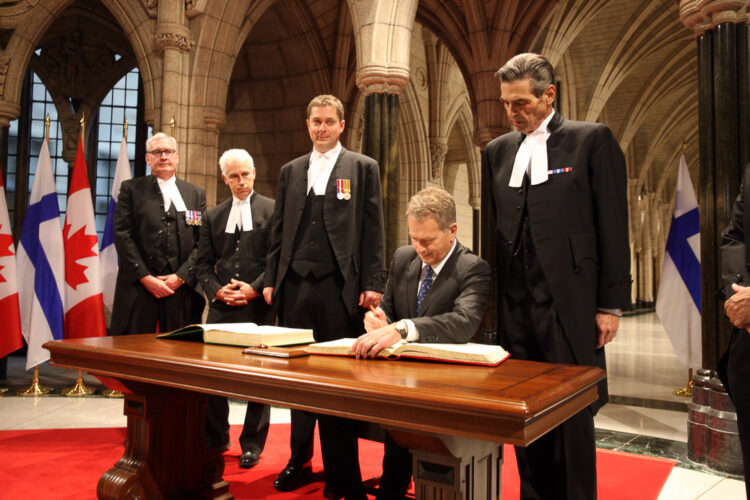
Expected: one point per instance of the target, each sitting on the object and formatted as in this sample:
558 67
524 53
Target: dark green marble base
653 447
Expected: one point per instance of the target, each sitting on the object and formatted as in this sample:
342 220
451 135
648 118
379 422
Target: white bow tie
532 152
240 216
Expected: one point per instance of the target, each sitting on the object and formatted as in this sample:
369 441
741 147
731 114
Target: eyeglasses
158 152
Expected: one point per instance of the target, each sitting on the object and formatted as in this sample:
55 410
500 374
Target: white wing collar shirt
531 157
321 165
240 215
170 194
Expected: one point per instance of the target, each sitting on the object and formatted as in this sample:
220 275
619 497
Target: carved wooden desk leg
165 453
451 467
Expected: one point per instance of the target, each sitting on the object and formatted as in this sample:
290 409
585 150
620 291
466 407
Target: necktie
426 284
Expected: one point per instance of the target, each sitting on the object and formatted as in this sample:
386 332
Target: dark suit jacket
578 220
137 222
453 308
354 226
217 263
735 263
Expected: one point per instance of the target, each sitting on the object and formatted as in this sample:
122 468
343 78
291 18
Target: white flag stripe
109 265
676 307
41 265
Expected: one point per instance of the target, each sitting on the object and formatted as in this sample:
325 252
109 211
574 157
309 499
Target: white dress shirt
321 165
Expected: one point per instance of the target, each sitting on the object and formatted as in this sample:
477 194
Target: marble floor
644 416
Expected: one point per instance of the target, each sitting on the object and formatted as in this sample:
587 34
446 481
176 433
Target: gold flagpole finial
83 130
171 127
125 130
684 146
46 128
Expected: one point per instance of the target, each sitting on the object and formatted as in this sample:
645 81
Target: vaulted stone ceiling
632 65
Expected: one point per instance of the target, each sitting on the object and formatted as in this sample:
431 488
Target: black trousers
562 463
737 382
311 302
254 429
148 313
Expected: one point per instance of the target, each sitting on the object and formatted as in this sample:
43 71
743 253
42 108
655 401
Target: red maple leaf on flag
6 240
77 246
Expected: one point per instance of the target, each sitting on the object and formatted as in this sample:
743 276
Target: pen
372 309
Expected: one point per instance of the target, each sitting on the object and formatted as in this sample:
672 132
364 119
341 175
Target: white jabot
532 153
240 215
171 194
321 165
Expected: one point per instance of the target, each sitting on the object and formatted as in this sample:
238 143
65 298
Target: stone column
381 139
720 30
174 38
383 38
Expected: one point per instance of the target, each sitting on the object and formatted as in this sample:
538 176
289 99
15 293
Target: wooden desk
451 416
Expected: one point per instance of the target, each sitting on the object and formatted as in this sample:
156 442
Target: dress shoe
249 459
293 476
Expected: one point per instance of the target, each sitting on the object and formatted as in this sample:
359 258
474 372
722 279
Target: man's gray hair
235 155
160 135
532 66
433 202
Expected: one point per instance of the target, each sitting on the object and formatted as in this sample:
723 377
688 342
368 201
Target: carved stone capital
214 118
700 16
378 79
438 150
175 36
151 7
9 111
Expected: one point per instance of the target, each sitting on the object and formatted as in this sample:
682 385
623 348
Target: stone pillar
721 35
174 38
381 142
383 40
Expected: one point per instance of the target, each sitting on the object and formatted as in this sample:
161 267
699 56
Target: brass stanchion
686 391
3 390
79 389
35 389
111 393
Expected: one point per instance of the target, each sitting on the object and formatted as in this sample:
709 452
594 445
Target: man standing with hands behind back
231 261
156 226
325 268
559 196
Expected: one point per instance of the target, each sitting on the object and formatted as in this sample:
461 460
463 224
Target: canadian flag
11 337
84 312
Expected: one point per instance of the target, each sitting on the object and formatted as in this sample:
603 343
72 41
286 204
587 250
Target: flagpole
36 389
687 390
80 389
112 393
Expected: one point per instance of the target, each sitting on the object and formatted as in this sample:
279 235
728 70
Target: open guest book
472 354
241 334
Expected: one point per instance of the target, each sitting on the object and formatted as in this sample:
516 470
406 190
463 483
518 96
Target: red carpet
56 464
